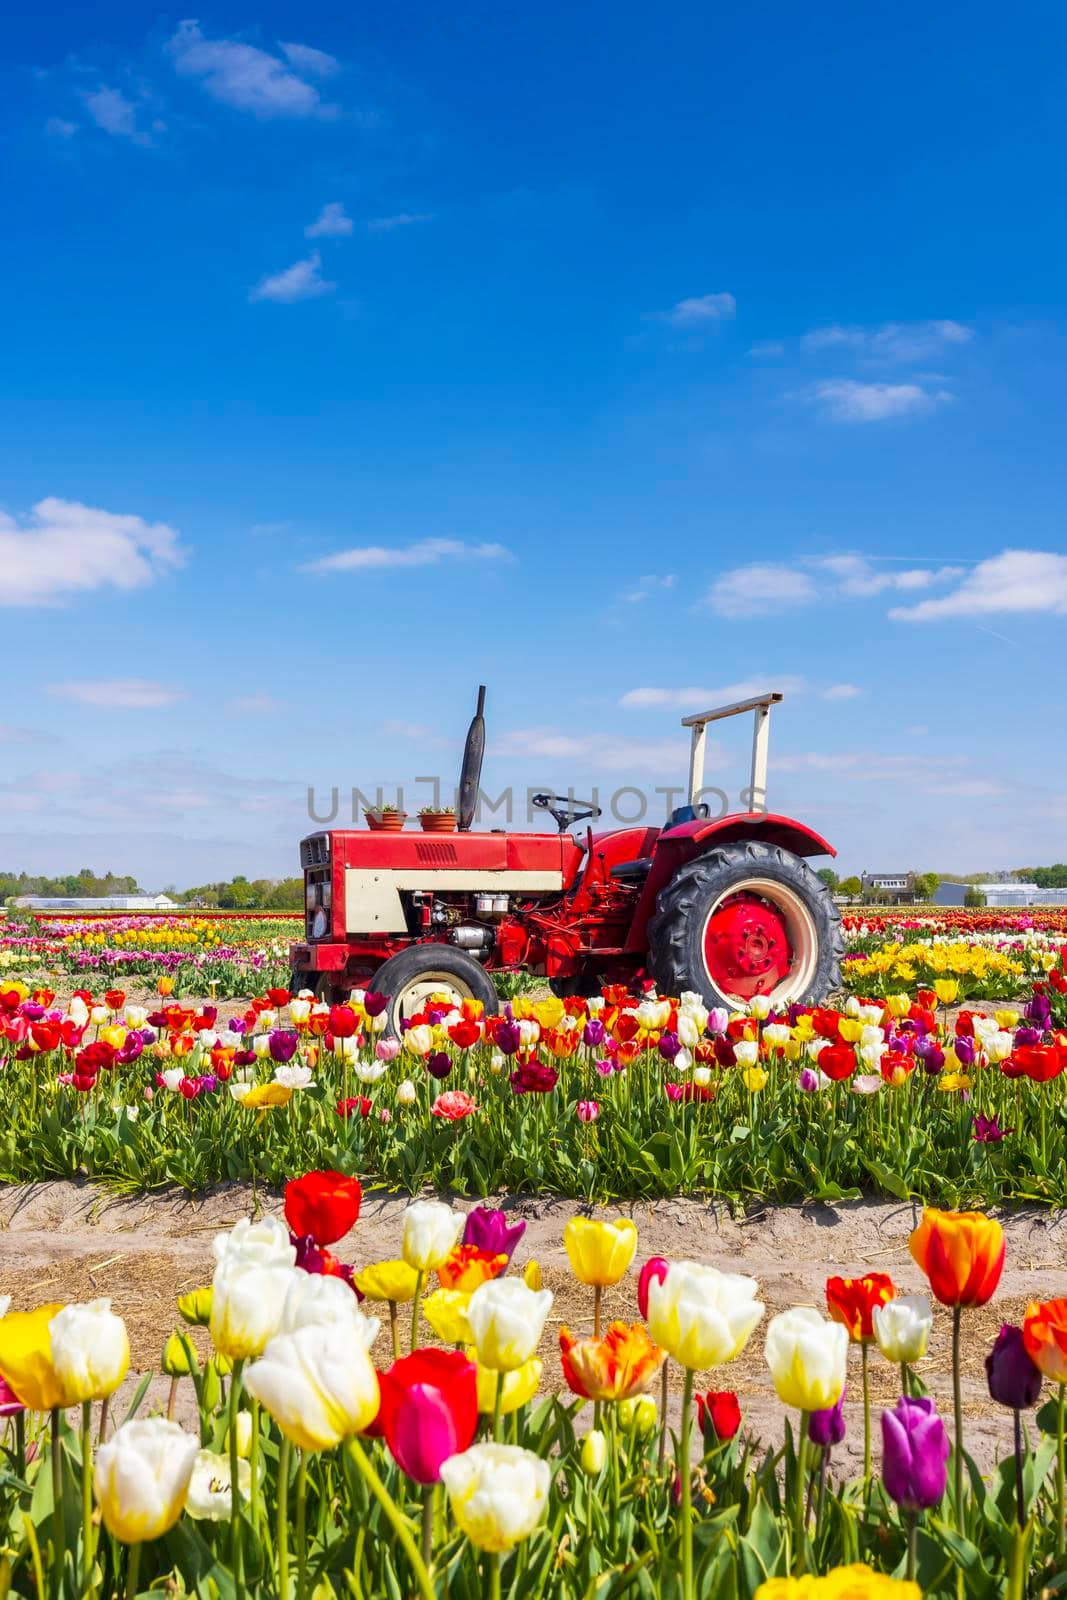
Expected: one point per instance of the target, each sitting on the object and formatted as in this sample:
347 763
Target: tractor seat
632 871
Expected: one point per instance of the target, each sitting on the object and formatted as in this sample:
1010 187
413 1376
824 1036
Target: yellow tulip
446 1312
947 990
26 1358
600 1252
388 1280
195 1307
754 1079
549 1013
532 1276
262 1095
114 1034
850 1029
517 1388
1006 1020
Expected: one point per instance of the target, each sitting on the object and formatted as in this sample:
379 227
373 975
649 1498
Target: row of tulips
310 1469
611 1096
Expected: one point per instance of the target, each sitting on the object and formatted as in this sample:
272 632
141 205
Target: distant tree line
83 884
239 894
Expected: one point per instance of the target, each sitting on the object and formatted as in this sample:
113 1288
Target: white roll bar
759 704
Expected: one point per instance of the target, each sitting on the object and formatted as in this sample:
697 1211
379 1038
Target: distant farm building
1000 894
898 887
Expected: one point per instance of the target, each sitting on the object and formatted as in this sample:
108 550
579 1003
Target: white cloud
693 699
258 705
840 691
251 79
302 281
66 547
1016 581
701 311
403 219
893 341
311 63
856 575
758 589
111 111
645 587
331 223
116 694
846 400
59 128
767 350
426 553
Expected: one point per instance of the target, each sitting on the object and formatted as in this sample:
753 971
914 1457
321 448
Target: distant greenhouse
1000 894
111 902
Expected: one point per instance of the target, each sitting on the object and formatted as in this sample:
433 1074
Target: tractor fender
680 844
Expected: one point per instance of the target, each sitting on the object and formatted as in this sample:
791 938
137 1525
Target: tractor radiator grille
436 855
315 850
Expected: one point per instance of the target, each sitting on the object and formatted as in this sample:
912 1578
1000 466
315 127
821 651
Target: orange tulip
851 1301
467 1267
623 1363
165 986
1045 1337
962 1254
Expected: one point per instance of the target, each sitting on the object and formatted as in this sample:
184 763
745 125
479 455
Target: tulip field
389 1428
327 1422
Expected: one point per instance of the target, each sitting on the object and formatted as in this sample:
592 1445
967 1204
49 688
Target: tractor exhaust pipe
470 775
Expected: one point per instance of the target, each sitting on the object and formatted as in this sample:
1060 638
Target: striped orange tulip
1045 1337
621 1364
962 1254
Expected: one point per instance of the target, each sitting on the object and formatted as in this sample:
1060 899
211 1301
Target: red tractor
725 906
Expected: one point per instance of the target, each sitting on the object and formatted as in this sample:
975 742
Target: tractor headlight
320 924
311 896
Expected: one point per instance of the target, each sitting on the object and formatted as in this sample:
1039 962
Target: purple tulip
718 1018
594 1033
374 1004
964 1049
930 1054
439 1065
1038 1011
130 1048
32 1010
236 1025
915 1449
489 1230
669 1045
507 1038
828 1427
283 1045
987 1130
808 1080
1028 1036
1014 1380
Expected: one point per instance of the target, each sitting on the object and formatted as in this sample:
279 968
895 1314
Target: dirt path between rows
61 1241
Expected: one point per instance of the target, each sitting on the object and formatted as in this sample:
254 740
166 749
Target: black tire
676 953
421 963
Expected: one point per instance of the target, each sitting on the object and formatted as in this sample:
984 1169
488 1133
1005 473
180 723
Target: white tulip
746 1052
317 1383
431 1229
506 1319
90 1350
702 1076
370 1071
247 1305
701 1316
902 1327
135 1016
294 1076
265 1242
807 1356
688 1032
172 1077
406 1093
141 1478
209 1497
318 1298
759 1007
498 1493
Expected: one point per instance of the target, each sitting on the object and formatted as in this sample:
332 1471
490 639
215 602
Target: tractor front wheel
410 978
745 920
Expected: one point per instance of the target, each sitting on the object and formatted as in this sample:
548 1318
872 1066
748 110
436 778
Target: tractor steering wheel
565 810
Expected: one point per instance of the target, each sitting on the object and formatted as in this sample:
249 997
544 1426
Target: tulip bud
176 1353
638 1413
244 1435
1013 1378
406 1093
531 1275
594 1452
195 1307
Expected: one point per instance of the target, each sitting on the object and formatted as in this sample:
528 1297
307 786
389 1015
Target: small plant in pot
386 819
437 819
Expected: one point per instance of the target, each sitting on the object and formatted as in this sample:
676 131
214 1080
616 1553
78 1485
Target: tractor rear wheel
412 976
743 920
323 985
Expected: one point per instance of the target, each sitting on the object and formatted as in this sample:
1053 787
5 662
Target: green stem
87 1496
282 1535
957 1407
663 1395
913 1543
1061 1474
904 1379
498 1395
495 1564
687 1486
799 1531
236 1558
396 1521
394 1330
20 1445
253 1464
58 1554
1016 1589
133 1567
301 1524
415 1304
866 1418
429 1496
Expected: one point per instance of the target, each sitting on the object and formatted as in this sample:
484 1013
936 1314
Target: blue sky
619 359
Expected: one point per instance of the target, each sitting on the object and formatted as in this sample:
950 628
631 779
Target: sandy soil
66 1242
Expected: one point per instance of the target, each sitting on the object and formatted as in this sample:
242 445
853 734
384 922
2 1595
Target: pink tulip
654 1270
588 1110
387 1049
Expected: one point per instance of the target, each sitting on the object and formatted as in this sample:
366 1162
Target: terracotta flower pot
386 821
438 822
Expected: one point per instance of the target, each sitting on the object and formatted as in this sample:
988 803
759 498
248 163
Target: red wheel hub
746 946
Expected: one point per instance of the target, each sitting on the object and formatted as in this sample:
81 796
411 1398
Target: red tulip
429 1410
1039 1062
720 1411
838 1061
343 1022
322 1204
